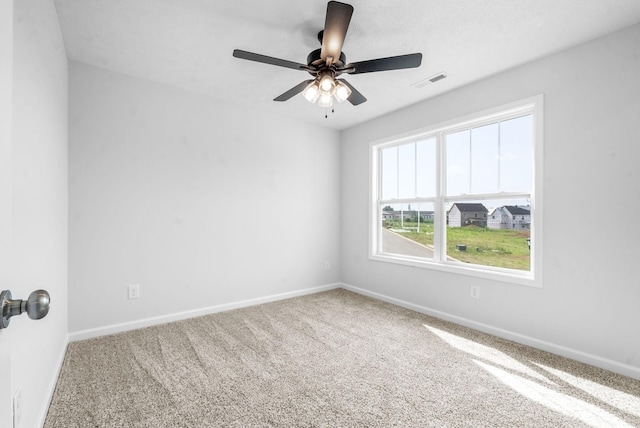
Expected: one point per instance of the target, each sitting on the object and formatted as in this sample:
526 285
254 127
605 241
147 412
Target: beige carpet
333 359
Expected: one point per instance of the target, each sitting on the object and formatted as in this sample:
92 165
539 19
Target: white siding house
509 217
466 214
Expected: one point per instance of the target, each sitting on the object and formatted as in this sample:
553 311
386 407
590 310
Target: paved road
395 243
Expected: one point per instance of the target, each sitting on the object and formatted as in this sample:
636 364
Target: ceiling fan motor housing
315 60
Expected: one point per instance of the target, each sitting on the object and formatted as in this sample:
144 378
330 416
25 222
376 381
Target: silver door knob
36 306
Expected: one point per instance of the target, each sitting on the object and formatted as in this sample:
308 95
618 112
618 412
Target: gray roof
516 210
470 207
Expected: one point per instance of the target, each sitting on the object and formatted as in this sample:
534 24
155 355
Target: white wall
6 124
588 306
39 251
200 203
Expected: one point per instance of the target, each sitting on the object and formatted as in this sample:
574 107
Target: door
6 408
6 119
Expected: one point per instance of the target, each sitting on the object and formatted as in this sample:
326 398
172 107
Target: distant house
426 215
467 214
509 217
407 215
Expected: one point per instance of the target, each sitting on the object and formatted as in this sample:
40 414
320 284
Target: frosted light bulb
325 100
326 83
343 92
312 92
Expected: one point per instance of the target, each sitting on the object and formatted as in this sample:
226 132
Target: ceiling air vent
429 80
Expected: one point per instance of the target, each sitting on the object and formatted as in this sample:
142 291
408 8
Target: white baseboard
51 388
148 322
594 360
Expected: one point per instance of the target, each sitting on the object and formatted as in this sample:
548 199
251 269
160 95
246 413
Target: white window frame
533 106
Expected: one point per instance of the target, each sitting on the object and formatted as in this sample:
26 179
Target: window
461 196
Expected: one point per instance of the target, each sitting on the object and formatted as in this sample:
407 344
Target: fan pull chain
326 112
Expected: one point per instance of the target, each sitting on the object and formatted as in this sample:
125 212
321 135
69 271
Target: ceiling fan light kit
324 89
329 62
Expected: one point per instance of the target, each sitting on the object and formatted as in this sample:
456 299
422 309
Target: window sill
512 277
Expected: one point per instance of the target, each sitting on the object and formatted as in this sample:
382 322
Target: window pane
407 229
389 164
458 163
484 159
490 233
426 168
407 170
479 175
516 139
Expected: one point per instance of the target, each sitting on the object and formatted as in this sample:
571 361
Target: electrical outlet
134 291
17 409
475 292
327 265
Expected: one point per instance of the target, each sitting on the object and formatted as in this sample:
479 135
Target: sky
487 159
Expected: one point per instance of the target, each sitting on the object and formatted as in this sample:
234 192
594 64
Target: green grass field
488 247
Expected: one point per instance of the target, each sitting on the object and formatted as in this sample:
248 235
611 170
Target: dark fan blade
268 60
335 29
293 91
384 64
356 97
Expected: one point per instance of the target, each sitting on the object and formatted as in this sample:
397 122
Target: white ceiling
189 44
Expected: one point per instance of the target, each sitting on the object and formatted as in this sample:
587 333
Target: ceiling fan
329 62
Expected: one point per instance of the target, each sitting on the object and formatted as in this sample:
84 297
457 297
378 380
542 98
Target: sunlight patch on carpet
623 401
487 353
556 401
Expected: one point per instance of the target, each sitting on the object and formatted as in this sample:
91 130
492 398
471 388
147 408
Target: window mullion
439 238
397 171
470 162
499 154
415 169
